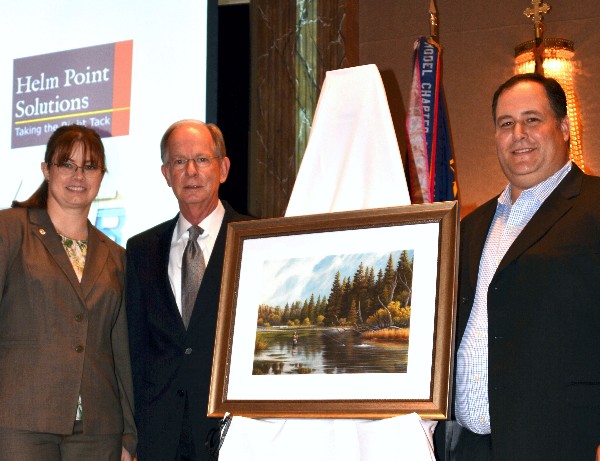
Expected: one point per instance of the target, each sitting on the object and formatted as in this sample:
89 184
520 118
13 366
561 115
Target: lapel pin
42 232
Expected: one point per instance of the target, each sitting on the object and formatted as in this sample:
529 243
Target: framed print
338 315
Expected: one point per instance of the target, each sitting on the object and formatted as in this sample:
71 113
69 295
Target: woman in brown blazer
65 376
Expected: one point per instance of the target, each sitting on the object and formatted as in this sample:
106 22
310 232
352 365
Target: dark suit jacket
544 325
59 337
168 362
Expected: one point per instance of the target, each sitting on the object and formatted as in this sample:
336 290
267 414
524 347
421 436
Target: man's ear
565 127
224 169
165 172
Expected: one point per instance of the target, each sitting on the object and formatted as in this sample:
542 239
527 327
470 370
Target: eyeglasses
181 163
70 168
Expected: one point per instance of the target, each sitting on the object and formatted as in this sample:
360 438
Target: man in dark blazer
171 363
527 374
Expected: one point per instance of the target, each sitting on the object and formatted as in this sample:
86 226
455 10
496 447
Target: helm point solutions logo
88 86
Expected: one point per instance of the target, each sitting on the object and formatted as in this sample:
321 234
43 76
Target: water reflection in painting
326 350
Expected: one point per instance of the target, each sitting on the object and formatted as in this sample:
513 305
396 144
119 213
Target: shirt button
476 377
482 420
188 351
180 392
79 317
79 348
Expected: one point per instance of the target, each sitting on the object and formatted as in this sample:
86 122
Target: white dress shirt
211 225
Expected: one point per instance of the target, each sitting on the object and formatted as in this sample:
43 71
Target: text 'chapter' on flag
432 175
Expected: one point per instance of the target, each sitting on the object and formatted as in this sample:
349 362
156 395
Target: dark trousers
20 445
193 448
187 451
456 443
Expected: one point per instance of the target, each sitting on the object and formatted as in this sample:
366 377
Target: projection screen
125 68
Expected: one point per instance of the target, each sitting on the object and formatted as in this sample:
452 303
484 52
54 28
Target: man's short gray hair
215 133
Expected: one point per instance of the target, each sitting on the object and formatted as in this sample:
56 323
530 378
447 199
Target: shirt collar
539 192
211 224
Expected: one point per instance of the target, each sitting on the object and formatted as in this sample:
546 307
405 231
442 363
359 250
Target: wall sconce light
557 62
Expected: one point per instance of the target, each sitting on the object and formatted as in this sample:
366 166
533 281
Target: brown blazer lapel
43 229
97 254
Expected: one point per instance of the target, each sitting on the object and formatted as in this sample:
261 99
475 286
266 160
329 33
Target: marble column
293 44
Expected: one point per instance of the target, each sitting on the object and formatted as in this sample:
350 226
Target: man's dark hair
555 93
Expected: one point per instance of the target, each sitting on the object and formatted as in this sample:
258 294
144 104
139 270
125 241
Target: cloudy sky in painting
290 280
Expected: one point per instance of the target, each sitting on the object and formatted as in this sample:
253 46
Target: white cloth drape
400 438
352 160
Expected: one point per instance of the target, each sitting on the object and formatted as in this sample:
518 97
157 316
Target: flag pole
431 165
433 22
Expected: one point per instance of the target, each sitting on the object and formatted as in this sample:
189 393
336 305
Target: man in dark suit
527 375
171 353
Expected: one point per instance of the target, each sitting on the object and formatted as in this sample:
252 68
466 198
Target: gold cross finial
535 14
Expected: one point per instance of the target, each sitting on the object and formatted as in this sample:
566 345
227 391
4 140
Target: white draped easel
352 162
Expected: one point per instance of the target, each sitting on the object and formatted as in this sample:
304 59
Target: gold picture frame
270 362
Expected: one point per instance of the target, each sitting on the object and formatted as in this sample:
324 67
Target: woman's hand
125 456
